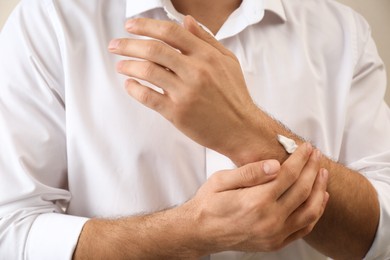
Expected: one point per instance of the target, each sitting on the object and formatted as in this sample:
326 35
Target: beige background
377 12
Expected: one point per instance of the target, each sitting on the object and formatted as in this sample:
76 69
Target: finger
166 31
298 235
150 72
250 175
311 211
146 96
306 230
192 26
151 50
291 170
302 188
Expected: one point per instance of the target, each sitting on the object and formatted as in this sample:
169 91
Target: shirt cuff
54 236
380 249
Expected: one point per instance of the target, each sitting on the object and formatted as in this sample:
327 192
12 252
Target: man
124 177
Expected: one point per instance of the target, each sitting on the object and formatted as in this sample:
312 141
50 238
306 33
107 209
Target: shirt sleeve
366 145
33 166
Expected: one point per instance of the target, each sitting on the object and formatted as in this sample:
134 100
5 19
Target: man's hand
261 206
232 215
204 91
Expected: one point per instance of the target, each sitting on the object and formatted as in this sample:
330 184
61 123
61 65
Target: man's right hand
259 207
248 210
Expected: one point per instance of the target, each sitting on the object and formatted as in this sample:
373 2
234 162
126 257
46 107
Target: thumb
250 175
193 27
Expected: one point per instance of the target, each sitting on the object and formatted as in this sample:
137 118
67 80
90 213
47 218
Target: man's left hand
204 91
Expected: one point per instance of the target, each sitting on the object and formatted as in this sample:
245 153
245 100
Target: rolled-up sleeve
33 160
366 145
381 248
377 170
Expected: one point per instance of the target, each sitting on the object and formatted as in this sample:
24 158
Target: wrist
170 234
163 235
194 236
257 140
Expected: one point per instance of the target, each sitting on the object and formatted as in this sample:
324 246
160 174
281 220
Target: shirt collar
137 7
275 6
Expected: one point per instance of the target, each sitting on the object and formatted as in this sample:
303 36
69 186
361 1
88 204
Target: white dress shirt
71 138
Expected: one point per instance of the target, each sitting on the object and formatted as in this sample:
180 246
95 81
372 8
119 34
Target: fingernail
193 20
308 147
119 66
130 24
128 83
318 155
271 167
326 198
325 174
113 44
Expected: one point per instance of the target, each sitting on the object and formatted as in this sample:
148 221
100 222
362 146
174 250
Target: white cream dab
289 145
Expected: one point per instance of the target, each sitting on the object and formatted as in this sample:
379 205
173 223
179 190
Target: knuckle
210 56
200 72
304 192
249 175
217 180
302 153
168 28
143 96
153 48
252 205
301 156
209 37
311 216
148 70
291 174
271 195
222 178
213 59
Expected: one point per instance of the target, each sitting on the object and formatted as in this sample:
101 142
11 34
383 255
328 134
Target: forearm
348 226
229 212
162 235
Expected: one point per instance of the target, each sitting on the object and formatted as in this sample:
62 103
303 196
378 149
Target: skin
203 10
195 84
261 206
203 78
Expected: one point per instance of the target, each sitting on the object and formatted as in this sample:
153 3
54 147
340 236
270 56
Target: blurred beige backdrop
377 13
